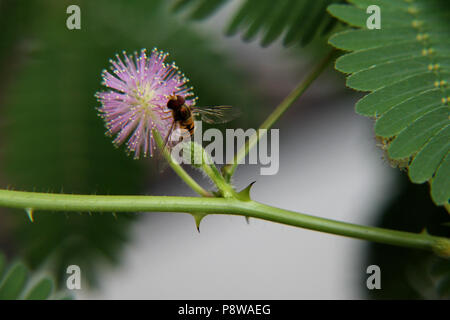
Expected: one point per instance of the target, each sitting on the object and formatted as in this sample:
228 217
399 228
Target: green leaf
300 20
387 74
418 133
401 115
14 282
366 39
247 8
382 100
206 8
260 19
392 17
405 66
365 59
350 14
440 184
41 291
427 160
277 22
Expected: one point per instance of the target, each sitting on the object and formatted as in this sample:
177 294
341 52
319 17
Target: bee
184 115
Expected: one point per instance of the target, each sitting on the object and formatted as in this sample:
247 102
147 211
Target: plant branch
214 174
229 169
177 168
210 205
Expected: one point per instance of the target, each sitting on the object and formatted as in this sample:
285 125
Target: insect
184 115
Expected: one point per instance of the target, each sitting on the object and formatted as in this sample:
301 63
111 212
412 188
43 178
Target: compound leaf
299 20
405 66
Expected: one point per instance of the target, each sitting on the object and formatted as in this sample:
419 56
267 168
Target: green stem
214 174
178 169
209 205
276 114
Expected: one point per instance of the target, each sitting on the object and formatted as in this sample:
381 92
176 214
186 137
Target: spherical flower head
140 87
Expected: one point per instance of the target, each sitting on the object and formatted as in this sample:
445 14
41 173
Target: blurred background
51 140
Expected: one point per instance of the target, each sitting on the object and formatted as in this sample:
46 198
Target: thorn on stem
198 218
244 194
30 213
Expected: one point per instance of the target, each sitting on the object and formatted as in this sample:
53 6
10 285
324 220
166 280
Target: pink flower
137 100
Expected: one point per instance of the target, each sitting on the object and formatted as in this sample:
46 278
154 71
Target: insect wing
217 114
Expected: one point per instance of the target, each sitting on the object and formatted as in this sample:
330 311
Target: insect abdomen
188 124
